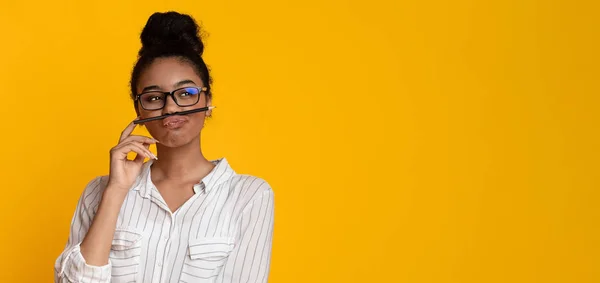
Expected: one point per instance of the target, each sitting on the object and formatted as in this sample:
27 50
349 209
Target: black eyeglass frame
172 95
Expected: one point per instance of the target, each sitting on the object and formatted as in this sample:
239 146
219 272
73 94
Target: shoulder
93 191
250 188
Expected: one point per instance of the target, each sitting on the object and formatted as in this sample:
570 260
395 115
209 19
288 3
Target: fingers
143 149
128 130
137 144
139 159
140 139
122 149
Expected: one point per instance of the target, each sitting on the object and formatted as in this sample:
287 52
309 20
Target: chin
174 142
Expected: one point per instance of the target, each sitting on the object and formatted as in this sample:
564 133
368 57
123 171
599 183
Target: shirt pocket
125 255
206 257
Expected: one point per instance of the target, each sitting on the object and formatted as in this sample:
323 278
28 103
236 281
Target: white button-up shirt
223 233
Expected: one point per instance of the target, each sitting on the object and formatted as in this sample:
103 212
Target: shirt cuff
75 269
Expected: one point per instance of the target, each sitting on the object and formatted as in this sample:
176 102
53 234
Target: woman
179 217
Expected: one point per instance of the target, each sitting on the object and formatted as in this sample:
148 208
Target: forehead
166 72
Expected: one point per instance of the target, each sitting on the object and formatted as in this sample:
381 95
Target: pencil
141 121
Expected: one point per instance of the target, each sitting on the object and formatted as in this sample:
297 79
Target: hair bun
171 30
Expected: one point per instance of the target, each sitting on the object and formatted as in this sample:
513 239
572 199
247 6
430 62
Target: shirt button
159 263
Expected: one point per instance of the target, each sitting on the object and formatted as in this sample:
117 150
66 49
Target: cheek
154 128
198 122
147 114
195 126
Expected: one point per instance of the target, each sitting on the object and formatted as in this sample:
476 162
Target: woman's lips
174 122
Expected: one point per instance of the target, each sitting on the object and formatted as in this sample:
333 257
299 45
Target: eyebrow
179 84
184 82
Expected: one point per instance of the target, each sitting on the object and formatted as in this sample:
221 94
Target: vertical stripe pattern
223 233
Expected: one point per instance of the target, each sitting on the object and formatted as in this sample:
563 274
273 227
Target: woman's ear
209 104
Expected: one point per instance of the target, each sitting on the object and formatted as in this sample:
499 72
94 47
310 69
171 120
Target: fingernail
154 156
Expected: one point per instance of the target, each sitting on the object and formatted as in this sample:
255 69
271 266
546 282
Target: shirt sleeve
250 260
70 266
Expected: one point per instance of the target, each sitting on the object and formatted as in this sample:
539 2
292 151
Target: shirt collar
219 174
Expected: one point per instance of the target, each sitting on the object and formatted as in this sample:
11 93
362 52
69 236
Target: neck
185 163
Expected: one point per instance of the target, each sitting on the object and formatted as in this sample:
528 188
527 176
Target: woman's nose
170 105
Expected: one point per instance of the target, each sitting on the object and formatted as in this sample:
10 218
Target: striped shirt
223 233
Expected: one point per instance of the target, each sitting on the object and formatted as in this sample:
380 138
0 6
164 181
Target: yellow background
406 141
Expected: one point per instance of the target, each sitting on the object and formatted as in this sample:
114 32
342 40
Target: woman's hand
123 171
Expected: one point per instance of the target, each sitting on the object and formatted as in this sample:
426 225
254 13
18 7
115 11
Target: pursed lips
174 122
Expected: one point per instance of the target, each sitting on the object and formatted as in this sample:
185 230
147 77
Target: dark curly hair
171 34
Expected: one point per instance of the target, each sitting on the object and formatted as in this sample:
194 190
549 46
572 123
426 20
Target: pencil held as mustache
141 121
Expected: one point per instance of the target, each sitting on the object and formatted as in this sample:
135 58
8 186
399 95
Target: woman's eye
187 92
153 98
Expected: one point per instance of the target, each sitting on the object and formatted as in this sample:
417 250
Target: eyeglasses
155 100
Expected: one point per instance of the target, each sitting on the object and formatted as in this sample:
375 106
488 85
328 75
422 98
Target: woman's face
166 75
